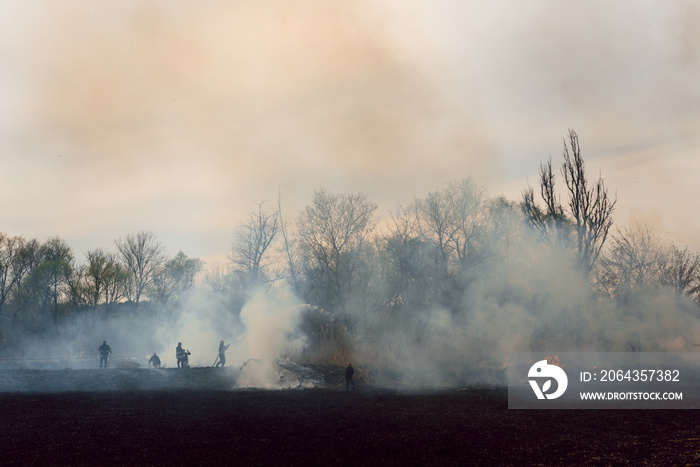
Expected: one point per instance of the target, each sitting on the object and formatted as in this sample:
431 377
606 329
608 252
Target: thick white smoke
271 323
539 302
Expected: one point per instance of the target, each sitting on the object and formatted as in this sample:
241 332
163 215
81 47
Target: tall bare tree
143 255
588 210
590 206
252 241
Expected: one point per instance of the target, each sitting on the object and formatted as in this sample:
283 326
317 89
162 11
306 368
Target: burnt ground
121 420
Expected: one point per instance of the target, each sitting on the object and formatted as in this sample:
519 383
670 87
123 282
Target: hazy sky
177 117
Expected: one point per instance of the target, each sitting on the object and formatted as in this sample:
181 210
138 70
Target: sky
178 117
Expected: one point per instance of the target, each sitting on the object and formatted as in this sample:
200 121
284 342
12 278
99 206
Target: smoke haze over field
176 118
172 116
266 331
540 302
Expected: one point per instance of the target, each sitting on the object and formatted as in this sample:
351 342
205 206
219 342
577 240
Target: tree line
432 249
43 283
339 256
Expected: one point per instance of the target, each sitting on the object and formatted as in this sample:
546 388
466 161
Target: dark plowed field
322 426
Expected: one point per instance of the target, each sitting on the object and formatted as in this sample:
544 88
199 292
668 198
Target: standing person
179 354
155 360
105 352
222 353
349 372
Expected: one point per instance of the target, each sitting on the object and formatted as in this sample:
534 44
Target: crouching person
182 356
155 361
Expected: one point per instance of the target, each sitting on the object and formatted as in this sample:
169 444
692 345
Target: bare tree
333 233
451 230
251 244
591 207
116 285
634 260
452 220
143 255
468 217
435 224
549 222
589 210
404 224
682 272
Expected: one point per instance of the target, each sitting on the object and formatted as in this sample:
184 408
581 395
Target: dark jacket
104 350
349 371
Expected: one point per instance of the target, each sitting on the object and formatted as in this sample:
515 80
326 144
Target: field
132 418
